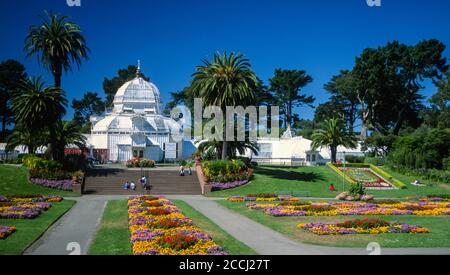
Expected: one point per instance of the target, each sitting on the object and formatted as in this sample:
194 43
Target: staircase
164 181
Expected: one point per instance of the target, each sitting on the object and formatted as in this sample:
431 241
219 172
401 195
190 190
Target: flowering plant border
365 226
6 231
158 227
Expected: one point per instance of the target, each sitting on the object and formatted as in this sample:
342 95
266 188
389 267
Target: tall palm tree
227 80
37 108
68 133
332 135
58 43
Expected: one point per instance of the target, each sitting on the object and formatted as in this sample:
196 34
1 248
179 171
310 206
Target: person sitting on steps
126 185
182 172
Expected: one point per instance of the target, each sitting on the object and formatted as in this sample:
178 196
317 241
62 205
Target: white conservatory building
135 127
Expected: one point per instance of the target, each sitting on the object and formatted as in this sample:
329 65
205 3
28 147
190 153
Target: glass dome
137 96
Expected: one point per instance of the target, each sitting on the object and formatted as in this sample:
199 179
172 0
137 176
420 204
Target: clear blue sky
172 36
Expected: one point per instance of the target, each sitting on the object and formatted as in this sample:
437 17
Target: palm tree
211 146
226 81
68 133
23 136
58 43
332 135
37 108
241 147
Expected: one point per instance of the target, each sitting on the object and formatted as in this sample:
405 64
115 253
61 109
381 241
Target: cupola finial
138 71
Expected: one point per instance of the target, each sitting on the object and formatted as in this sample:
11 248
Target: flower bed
55 184
365 226
353 208
6 231
219 186
226 174
159 228
367 177
25 206
30 198
262 197
22 210
140 163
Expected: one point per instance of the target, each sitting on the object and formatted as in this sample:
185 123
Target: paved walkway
74 232
266 241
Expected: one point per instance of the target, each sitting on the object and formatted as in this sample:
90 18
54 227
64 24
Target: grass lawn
113 236
222 238
28 231
14 181
439 226
315 181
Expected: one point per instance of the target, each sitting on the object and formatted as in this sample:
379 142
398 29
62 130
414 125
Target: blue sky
172 36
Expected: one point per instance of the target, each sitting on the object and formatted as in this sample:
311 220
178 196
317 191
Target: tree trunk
31 149
58 75
224 150
333 154
351 118
53 147
289 113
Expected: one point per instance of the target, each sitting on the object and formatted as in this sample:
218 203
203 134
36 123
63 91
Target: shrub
49 174
434 175
229 178
140 163
247 161
377 161
355 159
388 177
35 162
446 164
424 149
357 189
228 170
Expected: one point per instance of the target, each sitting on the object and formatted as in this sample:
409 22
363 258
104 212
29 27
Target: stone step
164 182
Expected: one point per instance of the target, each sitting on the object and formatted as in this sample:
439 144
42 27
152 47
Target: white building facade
135 128
292 150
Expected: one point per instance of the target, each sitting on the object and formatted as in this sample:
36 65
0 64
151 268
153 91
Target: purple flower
55 184
217 251
217 186
277 212
144 235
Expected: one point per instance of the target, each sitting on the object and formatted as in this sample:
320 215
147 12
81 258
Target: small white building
135 127
291 150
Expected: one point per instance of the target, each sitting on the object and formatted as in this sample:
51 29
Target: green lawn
113 236
315 181
222 238
28 231
439 226
14 180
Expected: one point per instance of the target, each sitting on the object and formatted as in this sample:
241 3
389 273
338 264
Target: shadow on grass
284 174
